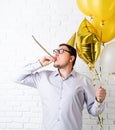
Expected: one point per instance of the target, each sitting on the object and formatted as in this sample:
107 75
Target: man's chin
56 66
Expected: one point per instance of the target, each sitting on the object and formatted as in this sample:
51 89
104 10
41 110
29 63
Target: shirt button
59 108
58 119
60 97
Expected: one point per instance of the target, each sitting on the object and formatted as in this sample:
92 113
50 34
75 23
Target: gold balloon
84 7
106 29
88 43
102 9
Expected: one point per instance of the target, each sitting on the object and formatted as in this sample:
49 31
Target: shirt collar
73 73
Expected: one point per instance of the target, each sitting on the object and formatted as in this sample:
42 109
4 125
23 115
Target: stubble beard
56 66
60 66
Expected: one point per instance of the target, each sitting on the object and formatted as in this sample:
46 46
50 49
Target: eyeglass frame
59 50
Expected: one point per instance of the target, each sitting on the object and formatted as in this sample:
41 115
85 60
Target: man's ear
72 59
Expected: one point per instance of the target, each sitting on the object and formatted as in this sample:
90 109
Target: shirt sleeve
26 74
93 107
97 108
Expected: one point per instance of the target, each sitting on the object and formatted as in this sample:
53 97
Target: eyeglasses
60 51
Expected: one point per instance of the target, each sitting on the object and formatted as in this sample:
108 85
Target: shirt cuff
33 66
99 105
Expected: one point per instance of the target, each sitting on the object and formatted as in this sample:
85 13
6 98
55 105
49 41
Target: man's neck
65 72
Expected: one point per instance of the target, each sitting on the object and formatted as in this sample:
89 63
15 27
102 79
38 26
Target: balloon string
97 76
100 118
101 26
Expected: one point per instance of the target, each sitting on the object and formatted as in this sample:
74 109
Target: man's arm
98 105
27 75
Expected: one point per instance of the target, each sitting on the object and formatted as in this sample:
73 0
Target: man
64 91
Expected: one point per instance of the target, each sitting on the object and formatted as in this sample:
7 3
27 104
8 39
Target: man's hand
100 94
46 60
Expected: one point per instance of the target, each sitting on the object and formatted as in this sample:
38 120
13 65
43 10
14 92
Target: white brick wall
51 22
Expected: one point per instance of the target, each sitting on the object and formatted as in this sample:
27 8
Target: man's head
65 54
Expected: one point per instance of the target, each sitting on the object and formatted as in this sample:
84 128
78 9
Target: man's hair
71 49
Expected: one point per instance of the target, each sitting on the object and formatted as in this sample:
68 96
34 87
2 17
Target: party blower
42 46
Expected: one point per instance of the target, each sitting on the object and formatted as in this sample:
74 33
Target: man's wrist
99 101
40 63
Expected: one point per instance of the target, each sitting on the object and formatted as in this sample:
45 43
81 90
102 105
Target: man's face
62 57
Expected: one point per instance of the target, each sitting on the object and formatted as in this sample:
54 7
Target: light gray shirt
62 99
